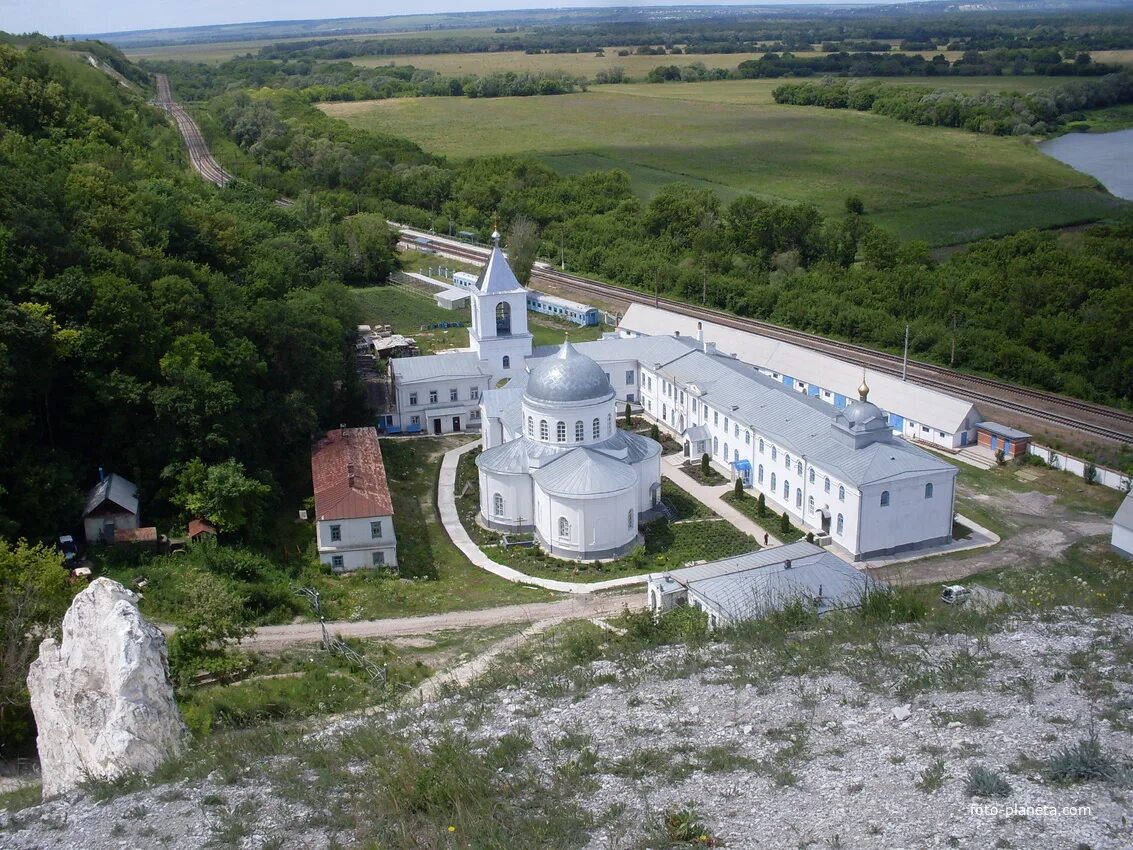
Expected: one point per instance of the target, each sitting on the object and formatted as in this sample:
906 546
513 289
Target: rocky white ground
770 760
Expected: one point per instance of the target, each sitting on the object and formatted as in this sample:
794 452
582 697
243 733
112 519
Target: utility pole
952 359
562 250
703 287
656 288
905 360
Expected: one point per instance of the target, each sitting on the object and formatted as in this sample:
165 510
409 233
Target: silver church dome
568 376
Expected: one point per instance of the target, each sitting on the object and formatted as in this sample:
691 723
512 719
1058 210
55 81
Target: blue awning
743 465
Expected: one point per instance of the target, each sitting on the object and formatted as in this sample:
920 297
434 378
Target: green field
409 308
940 185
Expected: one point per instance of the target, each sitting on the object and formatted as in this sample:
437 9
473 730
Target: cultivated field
943 186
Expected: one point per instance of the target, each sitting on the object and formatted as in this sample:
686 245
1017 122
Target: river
1106 156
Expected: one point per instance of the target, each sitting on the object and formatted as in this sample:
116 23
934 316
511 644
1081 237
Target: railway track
199 155
1062 412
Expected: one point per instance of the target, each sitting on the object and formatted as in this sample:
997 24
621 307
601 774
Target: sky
59 17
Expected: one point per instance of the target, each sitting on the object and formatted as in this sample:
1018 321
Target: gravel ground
768 761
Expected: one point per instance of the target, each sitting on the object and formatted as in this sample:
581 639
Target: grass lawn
697 535
935 184
408 308
748 505
412 466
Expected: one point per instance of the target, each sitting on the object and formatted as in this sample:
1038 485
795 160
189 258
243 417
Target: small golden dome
863 390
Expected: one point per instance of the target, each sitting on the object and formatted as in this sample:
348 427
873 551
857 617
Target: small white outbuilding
1122 537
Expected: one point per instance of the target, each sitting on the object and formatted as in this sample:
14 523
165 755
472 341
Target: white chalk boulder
103 699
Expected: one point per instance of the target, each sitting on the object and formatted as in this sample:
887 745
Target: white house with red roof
353 508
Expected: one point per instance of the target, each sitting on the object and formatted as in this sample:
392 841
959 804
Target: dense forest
1000 114
186 338
851 30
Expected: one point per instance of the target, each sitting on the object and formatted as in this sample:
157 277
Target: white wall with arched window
564 528
543 432
928 490
506 362
841 524
497 505
560 432
579 431
884 498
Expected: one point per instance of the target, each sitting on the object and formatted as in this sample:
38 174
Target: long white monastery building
840 473
915 412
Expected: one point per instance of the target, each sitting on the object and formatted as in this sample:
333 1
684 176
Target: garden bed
694 471
748 505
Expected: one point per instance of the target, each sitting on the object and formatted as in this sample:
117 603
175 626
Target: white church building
555 463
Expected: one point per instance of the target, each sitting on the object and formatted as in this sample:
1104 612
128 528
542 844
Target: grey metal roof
584 473
910 400
1003 431
507 458
567 377
504 404
432 367
544 298
797 422
697 433
523 454
747 561
1124 516
824 580
497 276
113 488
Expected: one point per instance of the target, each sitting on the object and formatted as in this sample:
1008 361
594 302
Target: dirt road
274 638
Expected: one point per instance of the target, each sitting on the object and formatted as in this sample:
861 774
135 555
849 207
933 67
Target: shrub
1090 473
738 488
655 432
1000 457
932 777
785 523
686 826
984 782
1081 762
705 464
629 416
761 505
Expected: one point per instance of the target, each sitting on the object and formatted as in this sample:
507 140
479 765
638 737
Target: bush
761 505
983 782
738 488
629 416
785 523
655 432
705 464
1081 762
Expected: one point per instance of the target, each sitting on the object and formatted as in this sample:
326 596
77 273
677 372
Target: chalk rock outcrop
103 699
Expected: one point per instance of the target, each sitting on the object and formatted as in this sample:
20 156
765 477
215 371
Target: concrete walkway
450 519
711 496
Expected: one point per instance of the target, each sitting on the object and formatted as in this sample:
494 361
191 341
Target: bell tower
499 334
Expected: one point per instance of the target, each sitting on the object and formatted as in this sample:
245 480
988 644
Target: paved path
670 468
270 638
450 519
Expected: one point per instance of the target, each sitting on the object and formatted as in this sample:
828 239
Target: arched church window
928 491
841 493
543 430
799 469
810 504
772 482
507 362
786 490
578 431
503 319
760 478
564 528
826 484
799 498
596 429
715 446
840 523
725 452
884 498
530 427
497 505
609 424
560 432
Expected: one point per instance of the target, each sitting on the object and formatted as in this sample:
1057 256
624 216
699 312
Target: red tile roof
333 458
198 526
